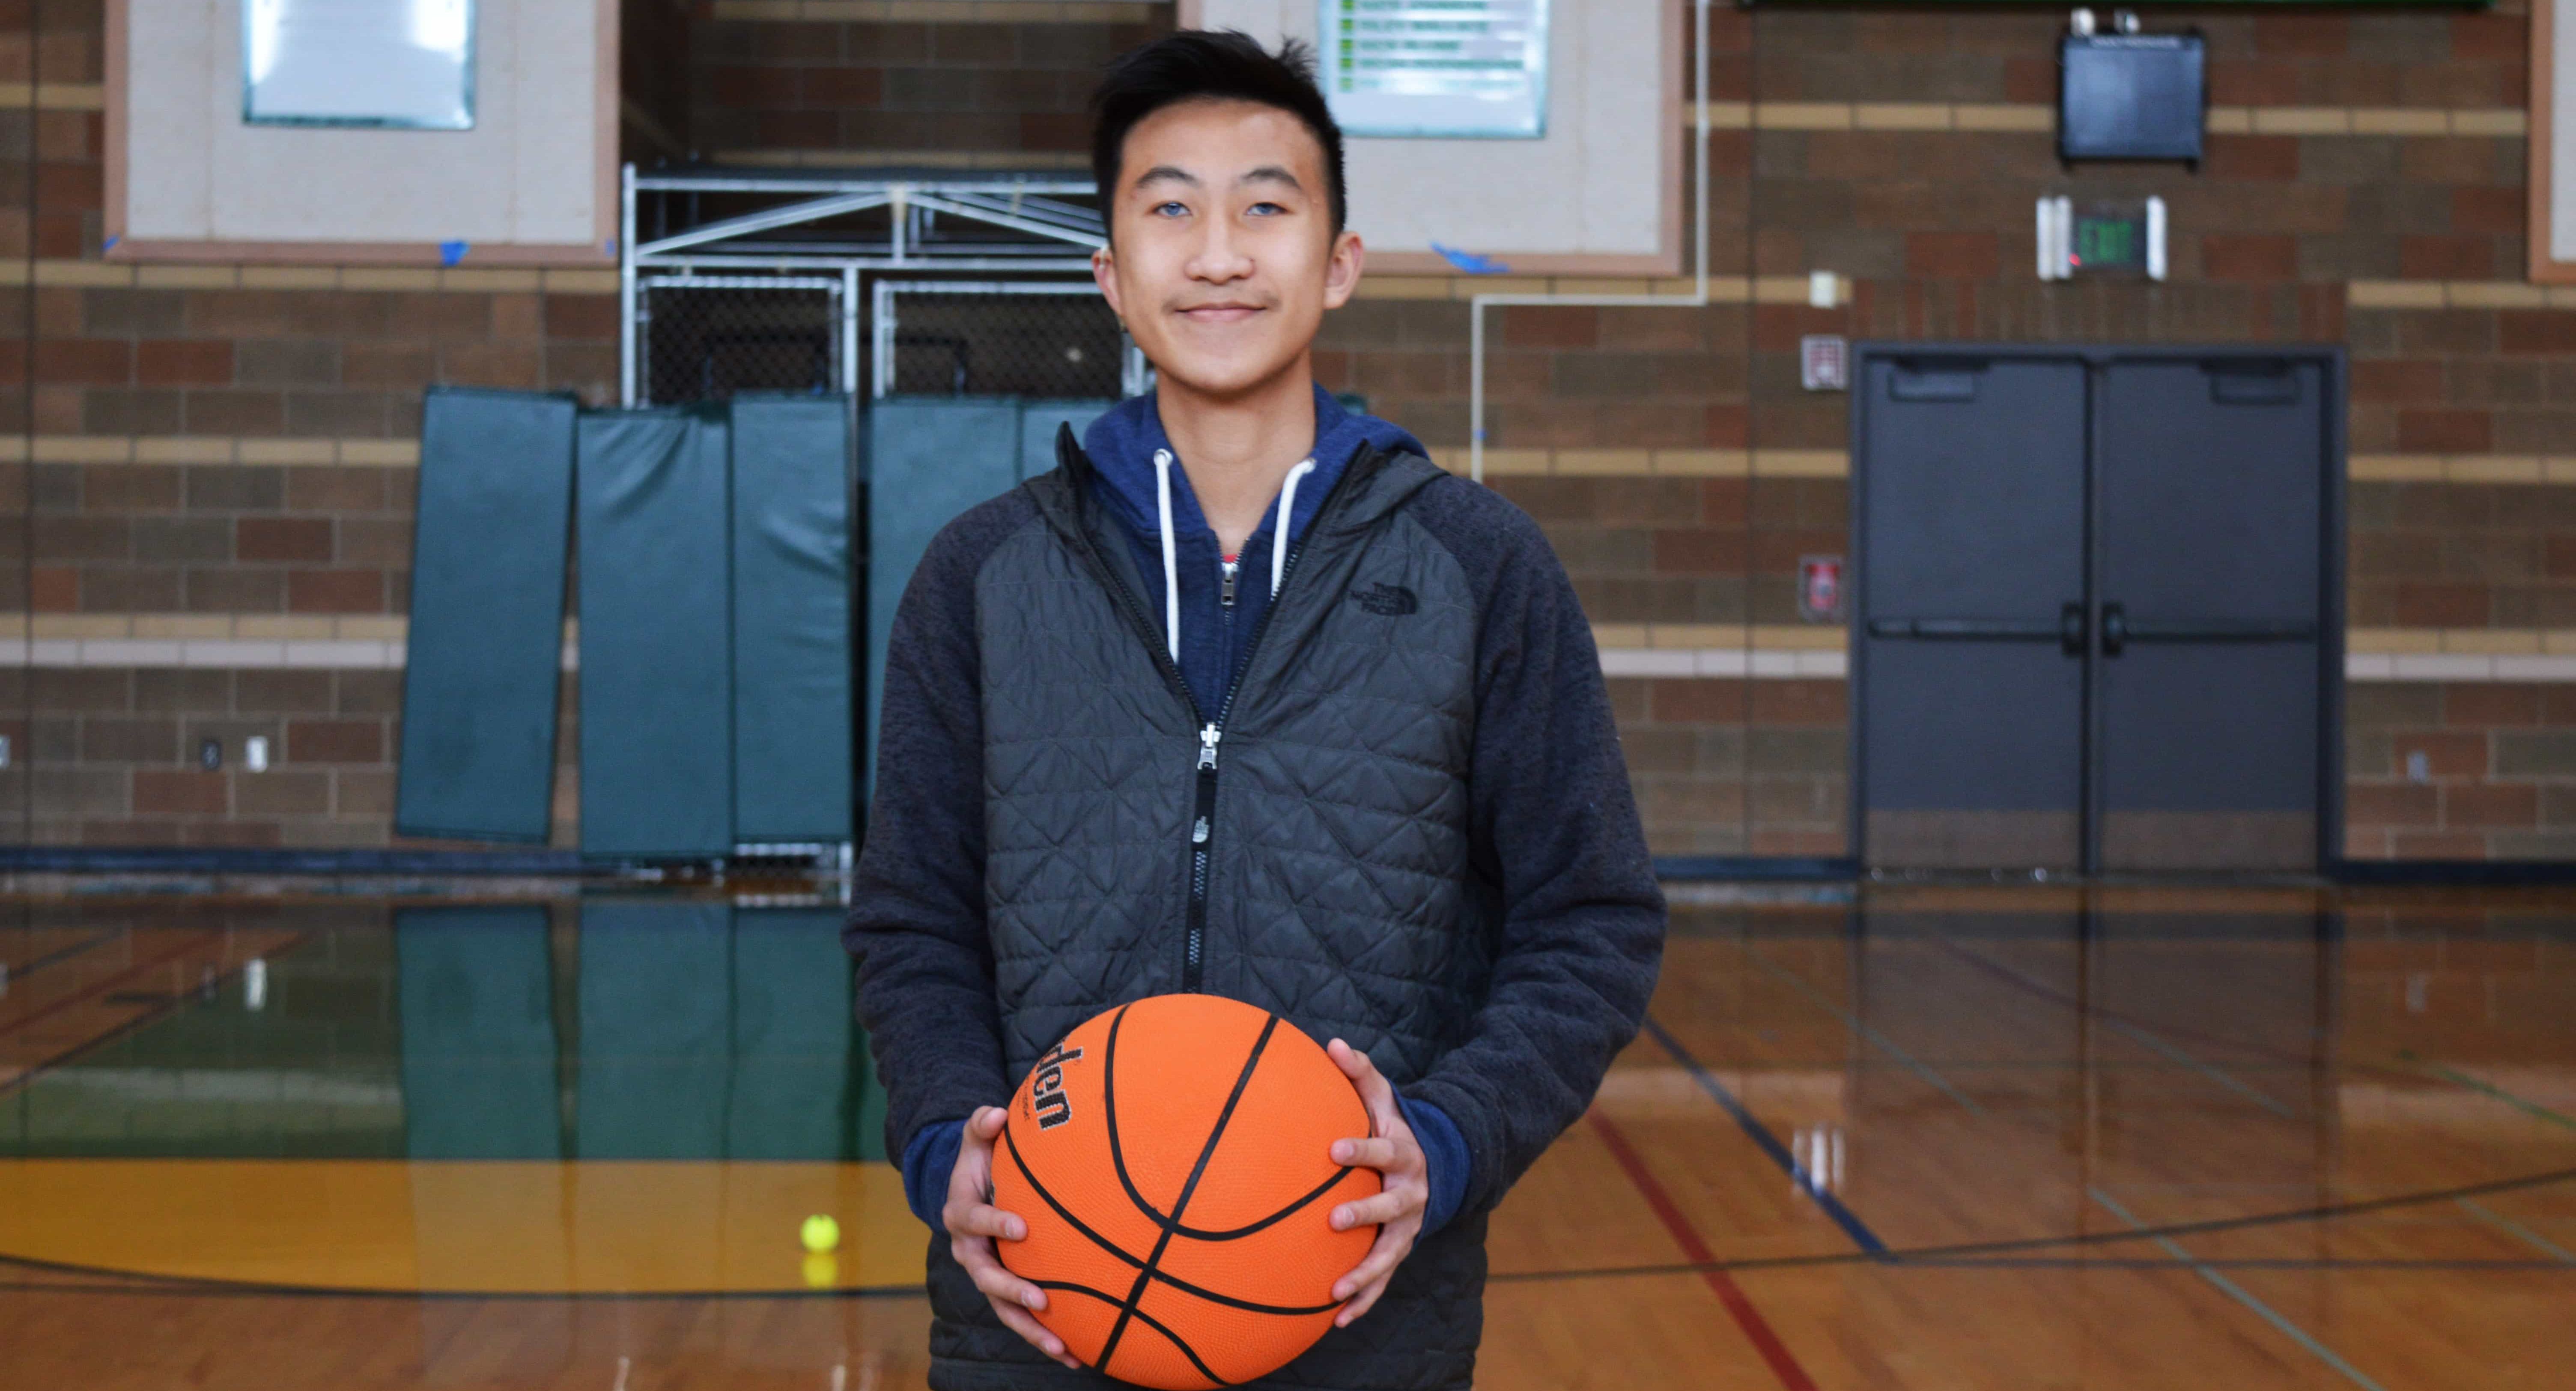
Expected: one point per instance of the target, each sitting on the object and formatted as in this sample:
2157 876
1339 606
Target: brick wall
859 91
235 451
2466 771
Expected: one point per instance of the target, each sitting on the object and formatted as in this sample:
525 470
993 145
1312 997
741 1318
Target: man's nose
1220 255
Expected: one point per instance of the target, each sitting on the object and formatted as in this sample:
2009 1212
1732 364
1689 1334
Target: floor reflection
1896 1138
598 1029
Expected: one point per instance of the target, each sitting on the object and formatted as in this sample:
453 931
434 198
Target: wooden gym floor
1915 1138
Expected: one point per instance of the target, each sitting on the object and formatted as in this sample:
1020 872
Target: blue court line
2519 1232
2239 1293
1770 1144
1883 1042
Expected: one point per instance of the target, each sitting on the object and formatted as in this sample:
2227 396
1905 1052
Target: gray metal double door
2099 619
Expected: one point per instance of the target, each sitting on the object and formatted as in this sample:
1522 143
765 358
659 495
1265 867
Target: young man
1247 698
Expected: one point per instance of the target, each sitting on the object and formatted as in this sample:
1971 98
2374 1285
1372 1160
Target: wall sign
1820 588
1824 362
1438 68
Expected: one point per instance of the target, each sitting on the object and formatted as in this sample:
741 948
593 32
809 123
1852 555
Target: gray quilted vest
1305 849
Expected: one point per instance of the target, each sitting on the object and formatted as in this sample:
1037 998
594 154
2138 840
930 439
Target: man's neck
1237 449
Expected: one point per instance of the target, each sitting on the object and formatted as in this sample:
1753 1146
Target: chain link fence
704 338
999 338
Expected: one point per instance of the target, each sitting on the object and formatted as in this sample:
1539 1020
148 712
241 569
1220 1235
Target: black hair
1209 65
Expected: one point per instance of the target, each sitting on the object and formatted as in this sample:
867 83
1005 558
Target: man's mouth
1227 313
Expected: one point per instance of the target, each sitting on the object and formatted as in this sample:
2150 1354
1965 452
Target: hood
1121 444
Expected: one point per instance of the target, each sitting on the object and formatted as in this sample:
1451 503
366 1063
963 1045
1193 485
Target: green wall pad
656 647
485 652
791 618
929 459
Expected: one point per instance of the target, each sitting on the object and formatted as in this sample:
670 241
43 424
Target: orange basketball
1172 1158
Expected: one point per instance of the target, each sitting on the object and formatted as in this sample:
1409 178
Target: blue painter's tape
110 243
451 252
1770 1144
1470 262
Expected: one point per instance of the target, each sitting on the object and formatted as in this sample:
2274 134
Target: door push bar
2118 630
2070 631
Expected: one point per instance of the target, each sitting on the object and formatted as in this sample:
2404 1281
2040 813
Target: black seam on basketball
1189 1186
1142 1317
1171 1223
1077 1223
1161 1276
1109 1110
1273 1219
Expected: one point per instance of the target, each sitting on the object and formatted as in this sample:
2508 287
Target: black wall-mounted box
2131 96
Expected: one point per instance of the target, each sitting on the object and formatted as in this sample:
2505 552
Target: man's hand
974 1224
1404 1174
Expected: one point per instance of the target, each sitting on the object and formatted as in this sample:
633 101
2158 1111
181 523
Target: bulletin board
1598 192
2553 141
532 181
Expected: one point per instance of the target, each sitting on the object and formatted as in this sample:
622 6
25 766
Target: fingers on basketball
1172 1160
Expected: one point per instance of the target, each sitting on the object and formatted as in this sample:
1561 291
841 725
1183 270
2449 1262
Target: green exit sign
2122 238
2109 241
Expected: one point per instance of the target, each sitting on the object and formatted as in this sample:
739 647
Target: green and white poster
1455 68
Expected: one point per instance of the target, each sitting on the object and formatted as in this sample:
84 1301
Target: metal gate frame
2095 358
1055 237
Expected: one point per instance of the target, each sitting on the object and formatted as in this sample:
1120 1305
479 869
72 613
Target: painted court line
2529 1108
2517 1231
1853 1021
1757 1330
2133 1031
2242 1296
1770 1144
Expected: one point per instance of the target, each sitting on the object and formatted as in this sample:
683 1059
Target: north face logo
1386 600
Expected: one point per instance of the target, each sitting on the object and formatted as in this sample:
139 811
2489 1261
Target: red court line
102 987
1757 1330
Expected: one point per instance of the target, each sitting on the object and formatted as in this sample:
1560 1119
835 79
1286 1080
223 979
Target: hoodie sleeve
1557 838
916 920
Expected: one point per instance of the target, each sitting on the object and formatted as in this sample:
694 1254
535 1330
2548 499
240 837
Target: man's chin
1222 378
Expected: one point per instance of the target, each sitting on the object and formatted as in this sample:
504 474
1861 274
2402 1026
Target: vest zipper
1203 810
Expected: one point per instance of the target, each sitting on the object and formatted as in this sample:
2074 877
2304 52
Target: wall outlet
255 753
210 754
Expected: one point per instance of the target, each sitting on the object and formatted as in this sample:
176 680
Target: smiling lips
1219 313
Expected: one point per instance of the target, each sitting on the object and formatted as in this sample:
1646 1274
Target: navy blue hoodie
1215 637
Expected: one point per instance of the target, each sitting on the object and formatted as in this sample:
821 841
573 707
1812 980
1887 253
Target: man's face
1223 258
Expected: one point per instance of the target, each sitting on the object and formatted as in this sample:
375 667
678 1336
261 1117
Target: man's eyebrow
1272 173
1164 172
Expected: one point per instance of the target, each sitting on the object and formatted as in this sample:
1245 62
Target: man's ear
1342 272
1104 273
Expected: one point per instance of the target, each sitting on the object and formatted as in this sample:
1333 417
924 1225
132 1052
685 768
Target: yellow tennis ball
821 1233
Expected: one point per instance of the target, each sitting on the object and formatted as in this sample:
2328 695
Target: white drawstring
1287 509
1171 556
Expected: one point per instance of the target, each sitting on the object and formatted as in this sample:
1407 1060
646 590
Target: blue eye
1265 209
1173 209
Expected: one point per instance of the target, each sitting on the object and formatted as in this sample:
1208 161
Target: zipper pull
1225 595
1199 832
1208 735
